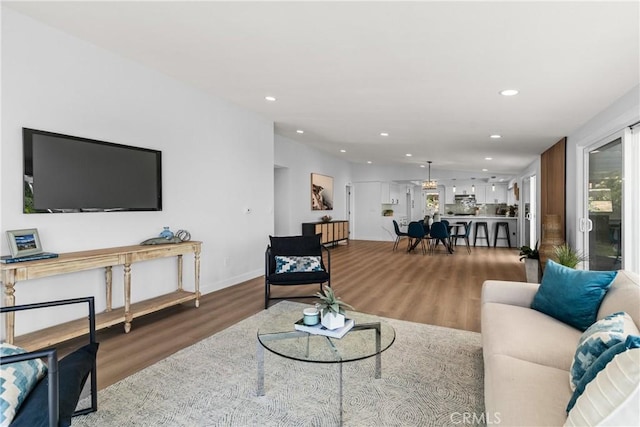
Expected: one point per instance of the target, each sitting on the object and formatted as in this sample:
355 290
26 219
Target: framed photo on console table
24 242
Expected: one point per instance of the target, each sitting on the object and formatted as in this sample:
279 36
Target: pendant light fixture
454 185
429 185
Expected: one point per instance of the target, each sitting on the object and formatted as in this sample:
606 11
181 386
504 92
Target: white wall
214 154
296 163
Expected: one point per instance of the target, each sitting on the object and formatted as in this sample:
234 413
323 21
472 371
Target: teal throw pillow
632 341
572 296
598 338
296 264
16 381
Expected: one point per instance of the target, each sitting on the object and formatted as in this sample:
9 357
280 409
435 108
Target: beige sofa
527 354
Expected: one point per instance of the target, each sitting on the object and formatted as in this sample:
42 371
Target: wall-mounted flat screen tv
64 173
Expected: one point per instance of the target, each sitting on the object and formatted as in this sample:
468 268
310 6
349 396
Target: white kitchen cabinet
389 193
497 196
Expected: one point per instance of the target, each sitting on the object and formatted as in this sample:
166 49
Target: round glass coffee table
369 337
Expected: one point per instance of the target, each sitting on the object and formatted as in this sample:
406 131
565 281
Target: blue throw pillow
572 296
632 341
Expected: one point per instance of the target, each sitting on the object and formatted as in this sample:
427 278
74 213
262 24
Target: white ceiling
428 73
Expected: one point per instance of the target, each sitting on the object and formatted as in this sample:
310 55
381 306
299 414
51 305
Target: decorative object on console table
166 233
551 237
24 242
325 218
332 313
25 246
178 237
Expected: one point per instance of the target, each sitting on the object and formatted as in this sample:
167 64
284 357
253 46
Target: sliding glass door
605 206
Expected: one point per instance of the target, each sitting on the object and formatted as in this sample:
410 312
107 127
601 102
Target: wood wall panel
553 182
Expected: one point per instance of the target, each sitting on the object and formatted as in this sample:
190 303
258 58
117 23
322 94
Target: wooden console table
332 231
99 258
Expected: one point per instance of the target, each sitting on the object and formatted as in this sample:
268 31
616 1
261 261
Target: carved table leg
179 272
127 297
196 273
9 281
108 275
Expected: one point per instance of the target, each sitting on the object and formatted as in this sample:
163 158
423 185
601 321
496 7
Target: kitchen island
491 221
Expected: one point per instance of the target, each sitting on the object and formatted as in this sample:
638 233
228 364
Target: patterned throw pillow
293 264
600 364
16 382
611 398
597 339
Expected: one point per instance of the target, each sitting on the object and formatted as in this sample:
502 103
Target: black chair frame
52 357
269 262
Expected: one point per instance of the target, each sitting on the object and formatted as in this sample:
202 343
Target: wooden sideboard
99 258
332 231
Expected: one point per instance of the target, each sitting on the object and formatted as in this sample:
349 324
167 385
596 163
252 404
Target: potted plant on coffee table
331 309
531 258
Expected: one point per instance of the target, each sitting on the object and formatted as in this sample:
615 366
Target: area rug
431 376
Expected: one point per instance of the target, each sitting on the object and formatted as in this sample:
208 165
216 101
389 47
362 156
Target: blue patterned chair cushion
597 339
572 296
16 382
295 264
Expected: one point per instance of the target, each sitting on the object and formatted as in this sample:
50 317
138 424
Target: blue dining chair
416 236
399 234
439 233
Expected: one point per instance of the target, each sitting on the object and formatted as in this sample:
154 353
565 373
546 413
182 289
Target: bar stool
482 224
506 229
455 228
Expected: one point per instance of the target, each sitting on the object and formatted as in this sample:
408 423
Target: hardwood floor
438 289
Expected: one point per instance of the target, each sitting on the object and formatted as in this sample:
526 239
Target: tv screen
65 173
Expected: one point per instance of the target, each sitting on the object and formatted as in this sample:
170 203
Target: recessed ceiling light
343 151
369 162
488 158
300 131
408 154
495 136
508 92
270 98
485 170
422 166
384 134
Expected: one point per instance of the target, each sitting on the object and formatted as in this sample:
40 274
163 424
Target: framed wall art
24 242
321 192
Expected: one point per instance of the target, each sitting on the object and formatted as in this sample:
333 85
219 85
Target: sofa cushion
572 296
521 393
623 295
528 335
597 339
631 341
291 264
611 398
17 380
73 371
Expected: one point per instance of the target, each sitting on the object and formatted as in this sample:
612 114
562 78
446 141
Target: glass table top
279 336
